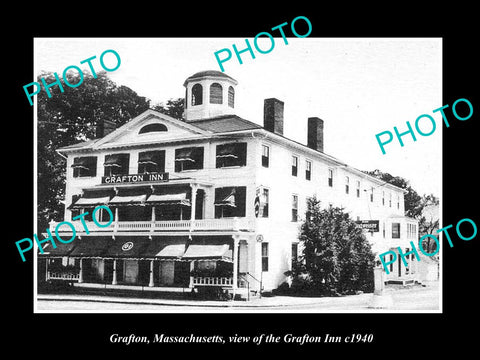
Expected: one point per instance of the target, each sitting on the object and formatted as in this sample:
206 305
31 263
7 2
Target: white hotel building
214 200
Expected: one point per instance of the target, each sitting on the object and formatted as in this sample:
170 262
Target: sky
358 86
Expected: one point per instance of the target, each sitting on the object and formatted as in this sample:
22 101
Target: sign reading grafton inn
115 179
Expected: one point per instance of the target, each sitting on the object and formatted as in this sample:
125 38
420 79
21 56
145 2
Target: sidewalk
407 298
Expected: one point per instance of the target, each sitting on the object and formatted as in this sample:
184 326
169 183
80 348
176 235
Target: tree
336 255
70 117
173 108
413 201
429 221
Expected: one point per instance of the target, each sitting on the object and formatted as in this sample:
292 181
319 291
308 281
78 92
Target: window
294 208
84 166
265 156
264 256
308 169
398 202
358 188
371 194
383 198
330 177
264 199
347 185
153 128
294 165
230 202
294 254
383 230
151 162
197 94
233 154
116 164
188 159
216 96
395 230
390 200
231 96
411 231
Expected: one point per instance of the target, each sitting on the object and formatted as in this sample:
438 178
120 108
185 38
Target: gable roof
120 131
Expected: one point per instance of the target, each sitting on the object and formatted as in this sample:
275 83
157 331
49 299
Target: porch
118 227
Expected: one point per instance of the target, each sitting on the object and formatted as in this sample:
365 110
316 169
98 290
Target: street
405 299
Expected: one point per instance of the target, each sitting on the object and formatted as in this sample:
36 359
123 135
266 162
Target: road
416 299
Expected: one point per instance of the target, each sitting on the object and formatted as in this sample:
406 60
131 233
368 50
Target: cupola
209 94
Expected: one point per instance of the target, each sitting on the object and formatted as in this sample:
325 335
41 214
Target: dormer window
197 94
153 128
216 96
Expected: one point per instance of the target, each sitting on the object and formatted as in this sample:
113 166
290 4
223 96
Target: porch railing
211 281
225 224
51 275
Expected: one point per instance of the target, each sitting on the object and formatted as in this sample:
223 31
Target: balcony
224 224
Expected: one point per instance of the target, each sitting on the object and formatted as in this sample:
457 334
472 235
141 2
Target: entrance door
130 271
108 271
143 272
166 273
182 273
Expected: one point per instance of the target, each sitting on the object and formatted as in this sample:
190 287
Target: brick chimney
273 115
104 127
315 133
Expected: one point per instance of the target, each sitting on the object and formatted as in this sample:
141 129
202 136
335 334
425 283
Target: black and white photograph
203 183
243 189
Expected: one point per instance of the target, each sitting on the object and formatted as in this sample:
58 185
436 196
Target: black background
88 334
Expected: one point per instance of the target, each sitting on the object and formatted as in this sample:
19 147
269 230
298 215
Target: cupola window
216 94
231 96
197 94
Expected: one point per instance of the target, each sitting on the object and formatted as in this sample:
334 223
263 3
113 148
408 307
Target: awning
90 246
166 248
185 154
114 160
227 200
208 252
131 247
149 157
84 162
90 202
169 199
227 150
128 199
62 249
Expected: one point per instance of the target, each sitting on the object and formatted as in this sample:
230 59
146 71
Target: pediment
150 127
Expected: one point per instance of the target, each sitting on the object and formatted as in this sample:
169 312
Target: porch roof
62 249
130 247
90 246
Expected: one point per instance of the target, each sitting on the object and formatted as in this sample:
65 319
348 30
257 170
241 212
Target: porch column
151 284
153 218
47 262
235 264
192 267
80 274
115 226
114 279
193 203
